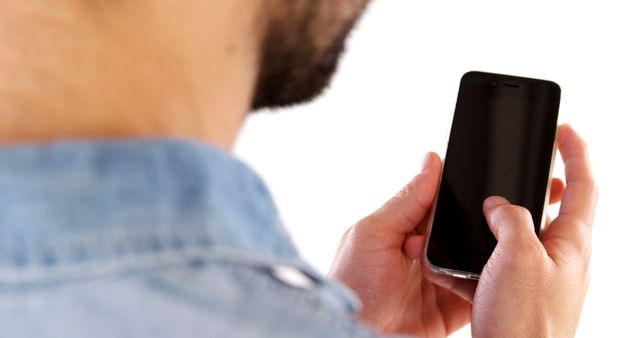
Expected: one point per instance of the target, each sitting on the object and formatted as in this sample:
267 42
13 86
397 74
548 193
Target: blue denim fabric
152 238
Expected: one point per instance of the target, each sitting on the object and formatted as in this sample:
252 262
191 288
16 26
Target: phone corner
554 86
471 73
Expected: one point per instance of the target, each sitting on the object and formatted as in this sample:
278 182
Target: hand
534 287
380 259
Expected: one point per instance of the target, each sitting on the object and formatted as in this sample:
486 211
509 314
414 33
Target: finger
577 209
414 247
580 195
557 189
455 310
402 213
509 223
463 288
344 238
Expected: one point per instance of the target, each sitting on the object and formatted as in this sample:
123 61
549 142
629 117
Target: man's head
94 68
301 43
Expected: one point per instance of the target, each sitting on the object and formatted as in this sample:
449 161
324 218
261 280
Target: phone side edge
427 262
543 219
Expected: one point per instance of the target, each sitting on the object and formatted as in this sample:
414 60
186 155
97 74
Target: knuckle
571 251
362 223
408 189
584 146
522 212
346 233
517 260
584 257
511 213
581 145
582 248
530 252
361 228
586 222
403 192
590 187
345 238
578 261
414 192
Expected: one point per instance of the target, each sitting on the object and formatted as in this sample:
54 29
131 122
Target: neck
90 69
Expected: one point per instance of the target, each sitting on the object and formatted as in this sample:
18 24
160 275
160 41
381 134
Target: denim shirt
152 238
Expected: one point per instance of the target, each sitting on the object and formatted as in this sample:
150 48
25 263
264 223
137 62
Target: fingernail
562 131
426 162
494 201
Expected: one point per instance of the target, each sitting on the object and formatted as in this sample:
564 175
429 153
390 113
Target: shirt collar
80 189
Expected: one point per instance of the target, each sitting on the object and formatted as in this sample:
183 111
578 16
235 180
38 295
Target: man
123 215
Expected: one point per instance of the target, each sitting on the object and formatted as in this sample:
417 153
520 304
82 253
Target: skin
125 69
529 288
170 68
194 69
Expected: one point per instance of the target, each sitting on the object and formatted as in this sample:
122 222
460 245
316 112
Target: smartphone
502 142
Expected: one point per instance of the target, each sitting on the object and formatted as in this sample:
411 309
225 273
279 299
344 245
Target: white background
334 161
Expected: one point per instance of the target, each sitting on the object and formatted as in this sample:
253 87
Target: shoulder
221 295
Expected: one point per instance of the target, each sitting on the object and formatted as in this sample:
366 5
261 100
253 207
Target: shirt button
292 277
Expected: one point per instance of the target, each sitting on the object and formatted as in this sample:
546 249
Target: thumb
403 212
511 224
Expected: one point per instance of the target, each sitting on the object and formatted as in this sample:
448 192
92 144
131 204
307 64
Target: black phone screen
501 143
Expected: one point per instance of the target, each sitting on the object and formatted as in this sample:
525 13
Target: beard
302 44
